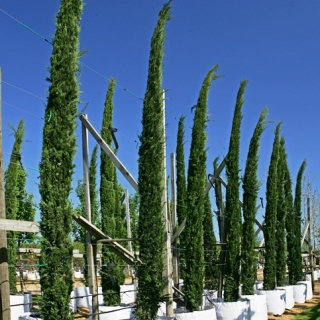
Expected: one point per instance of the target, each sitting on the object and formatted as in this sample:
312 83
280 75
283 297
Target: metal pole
4 272
90 252
167 255
175 265
310 243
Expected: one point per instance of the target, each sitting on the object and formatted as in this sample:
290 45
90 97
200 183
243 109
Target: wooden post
167 255
175 255
4 272
126 194
90 252
310 243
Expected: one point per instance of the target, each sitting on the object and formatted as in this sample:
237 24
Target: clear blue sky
274 44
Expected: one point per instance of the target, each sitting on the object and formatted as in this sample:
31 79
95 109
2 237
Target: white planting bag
289 296
276 303
300 293
258 306
239 310
309 289
117 313
209 314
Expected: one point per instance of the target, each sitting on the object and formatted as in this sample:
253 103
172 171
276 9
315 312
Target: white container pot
309 289
239 310
258 306
209 314
289 296
276 303
115 313
300 293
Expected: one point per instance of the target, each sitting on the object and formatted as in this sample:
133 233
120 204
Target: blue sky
273 44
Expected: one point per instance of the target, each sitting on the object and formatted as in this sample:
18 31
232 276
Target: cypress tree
26 207
211 271
297 271
280 245
289 225
194 272
56 167
250 194
94 201
181 191
108 189
233 210
151 179
11 188
269 271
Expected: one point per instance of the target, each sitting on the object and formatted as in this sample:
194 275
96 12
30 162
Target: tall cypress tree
94 201
289 225
56 167
211 271
110 280
297 271
280 245
233 210
194 272
250 194
181 191
11 187
151 179
269 271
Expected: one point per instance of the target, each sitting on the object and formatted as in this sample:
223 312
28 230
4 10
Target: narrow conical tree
11 188
181 192
297 271
211 271
281 261
250 195
233 210
151 180
94 201
289 225
194 272
108 189
269 271
26 207
56 167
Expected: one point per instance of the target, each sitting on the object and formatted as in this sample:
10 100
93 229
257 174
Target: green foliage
280 245
250 194
297 271
194 272
151 179
12 192
56 167
269 272
289 224
211 269
181 192
233 210
111 273
26 206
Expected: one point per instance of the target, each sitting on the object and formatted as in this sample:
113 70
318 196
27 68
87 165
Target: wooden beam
19 225
305 232
115 247
109 152
216 174
178 231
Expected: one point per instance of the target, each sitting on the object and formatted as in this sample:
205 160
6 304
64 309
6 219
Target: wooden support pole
90 254
126 193
310 244
4 272
175 251
167 255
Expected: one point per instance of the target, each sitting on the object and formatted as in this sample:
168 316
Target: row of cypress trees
57 168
